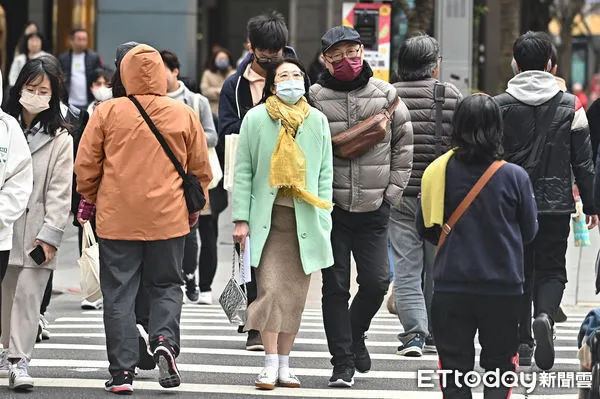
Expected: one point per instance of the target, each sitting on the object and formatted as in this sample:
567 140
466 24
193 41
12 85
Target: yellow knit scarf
288 163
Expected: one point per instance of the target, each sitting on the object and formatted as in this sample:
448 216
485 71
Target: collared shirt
257 84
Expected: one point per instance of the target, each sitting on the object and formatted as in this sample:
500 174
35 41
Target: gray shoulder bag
233 300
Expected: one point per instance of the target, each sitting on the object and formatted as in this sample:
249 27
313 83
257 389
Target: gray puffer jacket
418 97
361 184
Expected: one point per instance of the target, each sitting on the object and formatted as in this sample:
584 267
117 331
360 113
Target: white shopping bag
89 265
231 143
215 167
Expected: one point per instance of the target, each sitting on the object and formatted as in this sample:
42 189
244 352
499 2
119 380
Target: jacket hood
143 72
533 87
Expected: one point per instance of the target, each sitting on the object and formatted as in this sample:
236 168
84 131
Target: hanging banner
373 23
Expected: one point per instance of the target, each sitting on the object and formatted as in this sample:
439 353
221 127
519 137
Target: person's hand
193 218
576 195
49 250
82 221
591 221
240 232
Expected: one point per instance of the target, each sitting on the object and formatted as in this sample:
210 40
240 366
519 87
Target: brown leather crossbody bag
363 136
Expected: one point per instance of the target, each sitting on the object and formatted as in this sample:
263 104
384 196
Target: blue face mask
290 91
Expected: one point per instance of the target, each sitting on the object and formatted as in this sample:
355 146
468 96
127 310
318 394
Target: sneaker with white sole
168 374
205 298
413 348
4 363
87 305
266 379
120 383
342 377
19 378
287 379
146 360
45 325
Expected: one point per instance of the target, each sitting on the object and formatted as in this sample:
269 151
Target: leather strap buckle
446 228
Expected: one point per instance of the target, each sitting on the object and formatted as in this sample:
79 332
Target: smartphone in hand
38 255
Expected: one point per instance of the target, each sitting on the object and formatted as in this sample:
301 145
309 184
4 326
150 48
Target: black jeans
47 295
456 318
3 264
545 272
206 261
363 235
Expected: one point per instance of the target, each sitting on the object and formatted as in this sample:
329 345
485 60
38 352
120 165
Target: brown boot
391 304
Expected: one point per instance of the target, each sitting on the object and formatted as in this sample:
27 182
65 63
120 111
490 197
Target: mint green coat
253 197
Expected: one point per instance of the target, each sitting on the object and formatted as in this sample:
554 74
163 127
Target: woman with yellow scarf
282 196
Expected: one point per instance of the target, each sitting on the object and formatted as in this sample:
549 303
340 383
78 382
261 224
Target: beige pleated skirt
282 285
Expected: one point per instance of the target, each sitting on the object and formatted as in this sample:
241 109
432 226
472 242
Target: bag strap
542 133
468 200
389 111
439 97
236 248
160 138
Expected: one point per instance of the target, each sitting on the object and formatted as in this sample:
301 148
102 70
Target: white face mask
34 103
102 93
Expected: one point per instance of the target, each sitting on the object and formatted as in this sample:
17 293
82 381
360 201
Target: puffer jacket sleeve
581 160
206 118
402 155
58 194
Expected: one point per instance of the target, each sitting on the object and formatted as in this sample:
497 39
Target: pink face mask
348 69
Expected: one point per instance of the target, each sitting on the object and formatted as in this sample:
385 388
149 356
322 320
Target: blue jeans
413 266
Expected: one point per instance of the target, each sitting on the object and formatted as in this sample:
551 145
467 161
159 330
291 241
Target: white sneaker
87 305
205 298
286 379
266 379
19 378
4 363
44 323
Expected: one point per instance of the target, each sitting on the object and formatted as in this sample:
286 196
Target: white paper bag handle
89 239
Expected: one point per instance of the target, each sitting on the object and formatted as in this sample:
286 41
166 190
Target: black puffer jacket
567 148
418 97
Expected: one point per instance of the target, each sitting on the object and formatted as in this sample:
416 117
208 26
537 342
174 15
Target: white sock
272 362
284 361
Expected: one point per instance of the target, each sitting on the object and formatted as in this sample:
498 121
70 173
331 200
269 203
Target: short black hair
270 79
76 31
477 130
104 72
268 31
24 46
418 58
532 50
170 59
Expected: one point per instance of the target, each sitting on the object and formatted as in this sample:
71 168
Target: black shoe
39 337
146 361
544 349
168 374
342 377
254 341
192 293
560 317
525 354
120 383
362 360
429 345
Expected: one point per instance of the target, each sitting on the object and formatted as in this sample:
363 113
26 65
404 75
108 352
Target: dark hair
103 72
270 79
118 90
418 58
50 119
477 130
170 60
532 51
24 46
213 58
76 31
268 31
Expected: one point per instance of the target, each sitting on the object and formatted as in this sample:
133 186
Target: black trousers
364 235
3 264
545 272
47 295
202 238
456 318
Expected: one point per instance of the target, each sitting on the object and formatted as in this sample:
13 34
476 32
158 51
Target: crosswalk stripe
223 322
84 383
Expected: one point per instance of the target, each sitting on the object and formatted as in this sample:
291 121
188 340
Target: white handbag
89 265
231 143
215 167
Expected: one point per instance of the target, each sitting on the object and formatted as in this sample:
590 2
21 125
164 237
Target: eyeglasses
296 75
337 57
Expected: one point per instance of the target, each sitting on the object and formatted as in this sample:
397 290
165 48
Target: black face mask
266 65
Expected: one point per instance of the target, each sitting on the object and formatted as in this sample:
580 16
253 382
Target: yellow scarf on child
288 163
433 188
